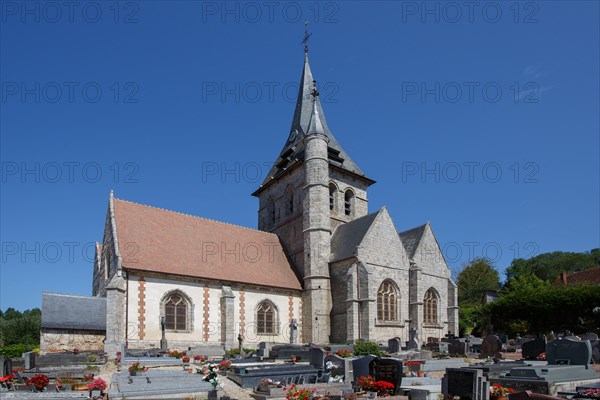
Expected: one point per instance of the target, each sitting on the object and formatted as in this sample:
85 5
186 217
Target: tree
20 328
473 281
524 282
548 266
542 309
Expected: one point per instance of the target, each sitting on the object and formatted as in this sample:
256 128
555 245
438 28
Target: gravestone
463 382
532 349
360 366
595 351
521 340
394 345
317 357
413 342
337 366
29 360
490 347
444 348
457 346
285 352
569 351
5 365
388 370
589 336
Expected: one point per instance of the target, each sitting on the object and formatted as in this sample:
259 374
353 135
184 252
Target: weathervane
306 37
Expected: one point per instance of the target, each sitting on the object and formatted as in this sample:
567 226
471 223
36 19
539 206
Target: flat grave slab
441 365
549 379
248 377
157 383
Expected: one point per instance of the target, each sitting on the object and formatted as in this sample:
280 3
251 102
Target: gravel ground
232 390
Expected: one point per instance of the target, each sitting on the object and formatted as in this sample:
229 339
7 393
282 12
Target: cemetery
454 368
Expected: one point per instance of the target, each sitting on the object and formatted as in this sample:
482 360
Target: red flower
97 384
39 381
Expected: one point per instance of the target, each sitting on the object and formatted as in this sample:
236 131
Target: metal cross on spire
306 37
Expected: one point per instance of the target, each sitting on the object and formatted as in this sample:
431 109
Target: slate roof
64 311
293 149
411 238
347 237
163 241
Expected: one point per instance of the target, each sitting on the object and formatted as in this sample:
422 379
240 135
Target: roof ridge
197 217
72 295
412 229
364 216
375 215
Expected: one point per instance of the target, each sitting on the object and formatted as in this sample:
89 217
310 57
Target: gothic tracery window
176 312
387 302
266 316
430 307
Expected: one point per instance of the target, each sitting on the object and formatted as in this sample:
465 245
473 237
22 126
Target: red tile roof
157 240
591 275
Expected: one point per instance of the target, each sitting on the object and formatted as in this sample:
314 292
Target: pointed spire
309 118
315 126
305 104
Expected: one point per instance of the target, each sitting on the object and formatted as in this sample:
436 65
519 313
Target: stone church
319 266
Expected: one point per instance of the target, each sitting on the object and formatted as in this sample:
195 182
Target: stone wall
59 340
344 181
434 273
206 318
344 327
384 258
287 225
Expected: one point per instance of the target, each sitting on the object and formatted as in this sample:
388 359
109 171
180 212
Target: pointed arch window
430 307
332 193
176 312
266 318
387 302
349 202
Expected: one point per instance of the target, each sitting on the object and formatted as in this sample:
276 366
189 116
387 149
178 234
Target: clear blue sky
484 121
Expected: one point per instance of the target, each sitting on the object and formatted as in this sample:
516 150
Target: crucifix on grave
240 340
163 339
293 331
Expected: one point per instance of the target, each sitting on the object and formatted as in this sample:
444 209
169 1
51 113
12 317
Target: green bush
16 350
366 348
236 351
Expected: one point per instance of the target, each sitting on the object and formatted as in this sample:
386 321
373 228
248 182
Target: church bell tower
312 187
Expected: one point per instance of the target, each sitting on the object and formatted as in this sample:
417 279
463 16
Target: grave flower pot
263 387
371 395
95 393
421 374
79 387
212 395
